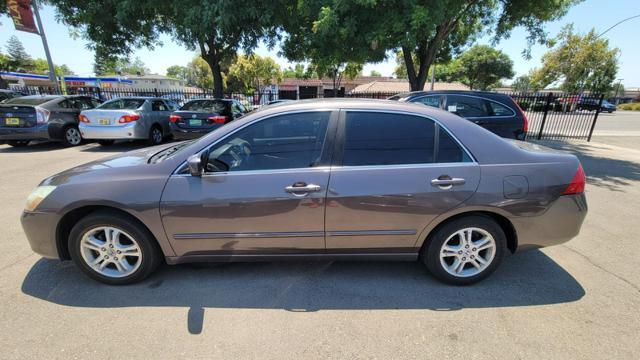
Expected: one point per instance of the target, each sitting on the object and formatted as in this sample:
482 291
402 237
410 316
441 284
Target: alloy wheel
467 252
110 251
72 135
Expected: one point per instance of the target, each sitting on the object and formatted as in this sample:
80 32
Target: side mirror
194 162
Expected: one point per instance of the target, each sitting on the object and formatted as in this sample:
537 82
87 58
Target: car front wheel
113 249
465 250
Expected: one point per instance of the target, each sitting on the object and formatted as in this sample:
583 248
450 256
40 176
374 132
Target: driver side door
263 190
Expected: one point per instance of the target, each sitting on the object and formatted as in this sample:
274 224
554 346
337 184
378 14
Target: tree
110 65
178 72
375 73
17 57
580 62
41 66
199 74
298 72
482 67
524 83
216 28
426 31
336 71
254 71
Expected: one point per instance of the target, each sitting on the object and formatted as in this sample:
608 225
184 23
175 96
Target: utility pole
52 71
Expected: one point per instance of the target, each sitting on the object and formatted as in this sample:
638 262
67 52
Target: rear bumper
40 228
559 224
39 132
188 134
128 131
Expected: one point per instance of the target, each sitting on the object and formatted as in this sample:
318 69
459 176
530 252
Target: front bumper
127 131
38 132
40 228
559 224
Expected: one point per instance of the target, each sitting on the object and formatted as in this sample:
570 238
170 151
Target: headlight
37 195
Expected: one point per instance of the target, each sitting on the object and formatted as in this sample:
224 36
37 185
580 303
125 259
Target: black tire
18 143
151 253
106 142
71 136
155 136
431 251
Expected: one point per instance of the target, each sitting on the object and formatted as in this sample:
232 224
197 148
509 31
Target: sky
598 14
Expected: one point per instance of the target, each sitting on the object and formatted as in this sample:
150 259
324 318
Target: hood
130 164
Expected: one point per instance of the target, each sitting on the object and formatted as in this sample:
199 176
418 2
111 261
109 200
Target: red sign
22 16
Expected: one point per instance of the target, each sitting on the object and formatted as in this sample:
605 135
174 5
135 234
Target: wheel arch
69 219
502 220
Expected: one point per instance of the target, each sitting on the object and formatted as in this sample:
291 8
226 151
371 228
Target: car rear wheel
106 142
113 249
18 143
71 136
155 136
465 250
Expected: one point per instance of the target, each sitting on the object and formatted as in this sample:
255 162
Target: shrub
629 106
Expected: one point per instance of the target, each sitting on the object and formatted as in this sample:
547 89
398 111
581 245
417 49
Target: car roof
489 94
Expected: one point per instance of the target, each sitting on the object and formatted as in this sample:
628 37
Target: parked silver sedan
128 118
333 179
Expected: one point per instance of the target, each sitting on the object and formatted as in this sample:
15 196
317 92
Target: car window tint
373 138
205 105
448 149
499 109
281 142
466 106
128 104
158 105
434 101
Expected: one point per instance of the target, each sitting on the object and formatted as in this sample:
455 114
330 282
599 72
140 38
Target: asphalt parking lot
578 300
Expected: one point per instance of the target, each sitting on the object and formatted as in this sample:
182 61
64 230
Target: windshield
125 104
30 101
170 151
204 105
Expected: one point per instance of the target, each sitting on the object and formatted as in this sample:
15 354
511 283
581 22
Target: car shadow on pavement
118 147
602 171
525 279
33 147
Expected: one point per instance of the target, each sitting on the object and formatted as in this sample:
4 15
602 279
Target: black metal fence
558 115
551 115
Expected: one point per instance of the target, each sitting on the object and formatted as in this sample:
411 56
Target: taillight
128 118
219 119
577 184
174 118
525 126
42 115
83 119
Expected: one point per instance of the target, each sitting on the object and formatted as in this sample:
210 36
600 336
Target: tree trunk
417 80
212 58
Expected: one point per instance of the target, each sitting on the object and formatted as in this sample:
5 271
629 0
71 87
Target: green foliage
298 72
254 71
426 32
41 66
523 83
216 28
481 67
178 72
579 62
199 74
119 66
17 58
375 73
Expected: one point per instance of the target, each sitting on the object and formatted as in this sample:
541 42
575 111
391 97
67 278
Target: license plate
12 121
103 121
195 122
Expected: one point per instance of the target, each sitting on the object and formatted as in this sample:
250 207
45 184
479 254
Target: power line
618 23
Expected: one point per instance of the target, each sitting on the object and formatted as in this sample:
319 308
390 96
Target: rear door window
467 106
374 138
497 109
158 105
433 100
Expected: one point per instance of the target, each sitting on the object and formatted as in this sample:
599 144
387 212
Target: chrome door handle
302 188
447 183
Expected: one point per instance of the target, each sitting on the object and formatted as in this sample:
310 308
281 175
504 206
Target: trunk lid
17 116
99 117
197 119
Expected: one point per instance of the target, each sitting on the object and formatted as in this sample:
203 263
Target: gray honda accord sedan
332 179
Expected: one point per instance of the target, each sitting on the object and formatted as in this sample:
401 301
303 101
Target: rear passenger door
392 174
489 114
160 112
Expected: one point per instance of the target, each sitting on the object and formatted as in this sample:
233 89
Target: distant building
154 81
